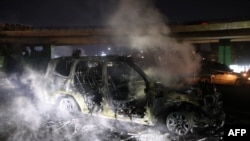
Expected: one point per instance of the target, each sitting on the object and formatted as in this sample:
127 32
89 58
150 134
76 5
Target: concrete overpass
214 32
221 32
195 33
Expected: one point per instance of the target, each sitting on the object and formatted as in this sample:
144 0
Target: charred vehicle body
114 87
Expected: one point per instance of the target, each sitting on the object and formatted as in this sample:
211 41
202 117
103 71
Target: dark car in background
114 87
217 73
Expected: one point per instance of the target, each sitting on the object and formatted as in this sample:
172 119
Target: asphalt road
236 101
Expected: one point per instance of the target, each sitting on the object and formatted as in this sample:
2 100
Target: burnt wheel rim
67 104
178 123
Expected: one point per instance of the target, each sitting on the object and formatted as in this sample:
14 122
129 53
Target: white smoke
27 117
147 30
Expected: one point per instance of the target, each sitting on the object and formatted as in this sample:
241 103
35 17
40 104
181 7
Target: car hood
189 94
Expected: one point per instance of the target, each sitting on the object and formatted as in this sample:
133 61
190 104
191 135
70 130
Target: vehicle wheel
68 104
178 123
237 82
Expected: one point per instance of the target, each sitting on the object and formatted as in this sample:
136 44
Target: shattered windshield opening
87 79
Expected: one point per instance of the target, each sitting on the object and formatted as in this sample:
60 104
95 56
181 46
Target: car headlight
248 78
244 74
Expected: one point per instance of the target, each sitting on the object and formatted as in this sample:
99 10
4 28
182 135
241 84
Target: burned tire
68 104
178 123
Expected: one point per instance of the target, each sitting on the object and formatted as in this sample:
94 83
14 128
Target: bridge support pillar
224 54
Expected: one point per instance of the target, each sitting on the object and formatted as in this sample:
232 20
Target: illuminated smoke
169 60
27 114
27 117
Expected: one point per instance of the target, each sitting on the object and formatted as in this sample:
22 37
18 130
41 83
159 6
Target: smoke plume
169 60
26 116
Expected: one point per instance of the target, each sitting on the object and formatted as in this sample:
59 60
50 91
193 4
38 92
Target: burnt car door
88 82
126 95
57 75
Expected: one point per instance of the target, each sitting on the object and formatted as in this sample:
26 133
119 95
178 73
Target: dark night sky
95 12
195 10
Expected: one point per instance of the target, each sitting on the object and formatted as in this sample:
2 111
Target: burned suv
114 87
